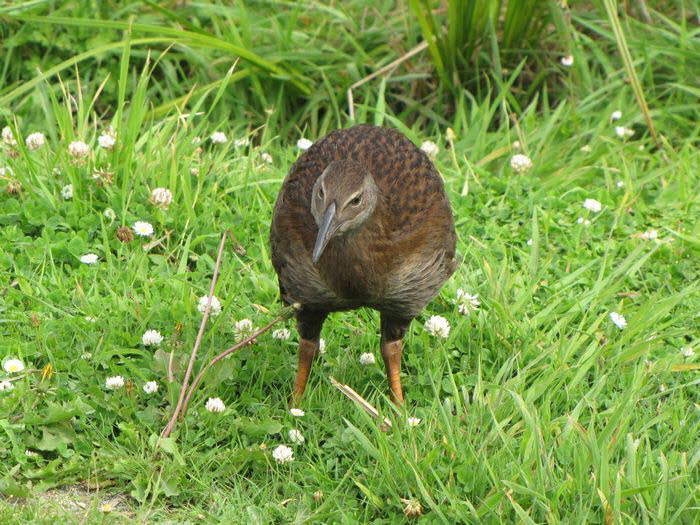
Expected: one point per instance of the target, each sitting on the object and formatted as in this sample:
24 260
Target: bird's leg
307 354
392 347
309 325
391 352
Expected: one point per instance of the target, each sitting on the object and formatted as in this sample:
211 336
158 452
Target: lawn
565 392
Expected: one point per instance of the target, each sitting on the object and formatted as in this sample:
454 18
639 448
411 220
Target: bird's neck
354 263
360 241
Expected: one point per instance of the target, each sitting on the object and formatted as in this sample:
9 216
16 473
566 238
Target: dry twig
185 392
285 314
351 103
362 402
171 424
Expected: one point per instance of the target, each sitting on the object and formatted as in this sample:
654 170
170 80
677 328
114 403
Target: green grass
536 409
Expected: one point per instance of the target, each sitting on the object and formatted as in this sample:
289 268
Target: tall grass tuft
475 33
611 9
293 70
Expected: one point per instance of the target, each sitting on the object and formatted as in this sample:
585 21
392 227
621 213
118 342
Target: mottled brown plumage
362 220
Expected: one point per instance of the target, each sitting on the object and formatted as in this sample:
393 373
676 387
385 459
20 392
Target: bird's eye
356 201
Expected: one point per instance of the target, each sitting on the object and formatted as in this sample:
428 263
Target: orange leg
391 352
307 352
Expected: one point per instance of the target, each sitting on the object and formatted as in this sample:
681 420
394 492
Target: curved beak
325 232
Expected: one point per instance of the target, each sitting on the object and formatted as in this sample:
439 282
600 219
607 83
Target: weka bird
362 219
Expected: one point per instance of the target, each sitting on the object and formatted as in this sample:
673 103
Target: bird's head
343 198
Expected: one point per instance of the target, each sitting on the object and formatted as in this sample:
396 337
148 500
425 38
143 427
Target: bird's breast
354 270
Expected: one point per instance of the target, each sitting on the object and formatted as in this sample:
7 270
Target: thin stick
351 103
171 424
171 375
281 317
357 398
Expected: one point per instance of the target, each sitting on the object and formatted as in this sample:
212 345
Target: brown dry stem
248 340
187 392
171 424
362 402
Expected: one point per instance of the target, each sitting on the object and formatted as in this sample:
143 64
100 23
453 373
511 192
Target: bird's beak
325 232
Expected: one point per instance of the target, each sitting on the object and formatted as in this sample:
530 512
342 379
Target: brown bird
362 220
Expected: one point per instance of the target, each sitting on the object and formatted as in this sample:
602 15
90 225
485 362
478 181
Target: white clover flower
438 326
623 132
620 184
662 388
529 242
214 404
583 221
6 172
618 319
215 305
218 137
12 366
567 61
161 198
143 228
430 148
78 149
114 382
413 421
282 334
67 192
367 359
109 214
616 115
266 158
89 258
649 235
516 144
90 319
7 136
6 386
106 140
283 454
151 338
150 387
86 356
321 346
295 436
296 412
586 148
467 303
241 142
520 163
243 329
196 140
411 508
592 205
30 453
687 352
304 144
35 141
